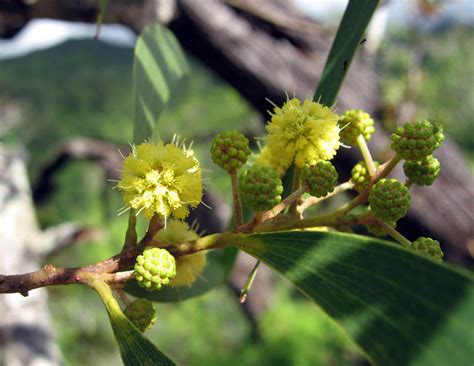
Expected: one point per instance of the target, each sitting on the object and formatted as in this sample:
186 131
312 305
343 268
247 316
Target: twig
238 214
131 234
311 201
295 186
395 234
364 149
154 226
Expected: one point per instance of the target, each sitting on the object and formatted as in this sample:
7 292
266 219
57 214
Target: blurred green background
83 88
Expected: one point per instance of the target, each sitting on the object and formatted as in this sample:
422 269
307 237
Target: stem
154 226
238 213
105 293
248 283
123 296
49 275
349 206
131 234
118 277
330 219
311 201
208 242
287 201
321 220
395 234
364 149
386 168
295 185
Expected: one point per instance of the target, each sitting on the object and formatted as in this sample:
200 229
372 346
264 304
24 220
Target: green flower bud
389 200
428 247
417 140
141 313
260 188
354 123
230 150
360 176
320 178
156 267
423 172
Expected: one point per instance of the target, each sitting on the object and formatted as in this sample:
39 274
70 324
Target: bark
25 326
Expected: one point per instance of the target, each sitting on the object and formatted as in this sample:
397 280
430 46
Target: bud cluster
320 178
417 140
141 313
261 188
428 247
389 200
156 267
354 123
230 150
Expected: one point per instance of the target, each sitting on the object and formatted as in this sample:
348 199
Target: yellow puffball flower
301 133
188 267
280 165
161 179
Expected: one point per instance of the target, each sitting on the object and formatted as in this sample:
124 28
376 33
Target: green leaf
159 69
219 264
352 27
399 307
135 349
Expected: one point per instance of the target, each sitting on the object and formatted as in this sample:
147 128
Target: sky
44 33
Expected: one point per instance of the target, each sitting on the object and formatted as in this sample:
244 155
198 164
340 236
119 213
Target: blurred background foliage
83 88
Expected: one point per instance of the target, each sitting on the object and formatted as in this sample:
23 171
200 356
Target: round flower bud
320 178
422 172
354 123
141 313
260 188
360 176
428 247
375 228
417 140
230 150
389 200
156 267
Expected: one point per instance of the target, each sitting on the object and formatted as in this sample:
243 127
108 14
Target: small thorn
24 293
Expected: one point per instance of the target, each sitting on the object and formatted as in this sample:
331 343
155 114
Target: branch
49 275
107 270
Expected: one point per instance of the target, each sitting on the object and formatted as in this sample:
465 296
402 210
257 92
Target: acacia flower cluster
161 179
300 133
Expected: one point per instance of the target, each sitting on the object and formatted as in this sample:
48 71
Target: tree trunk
25 325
